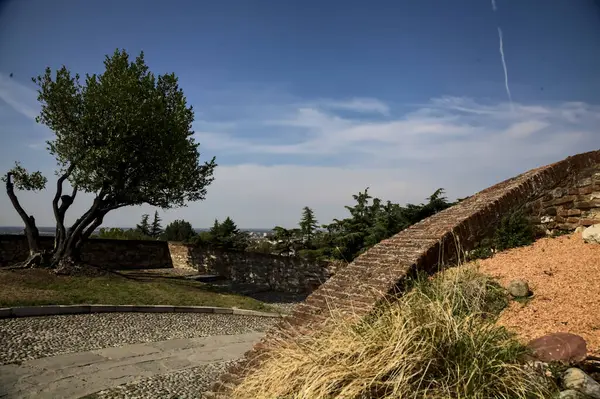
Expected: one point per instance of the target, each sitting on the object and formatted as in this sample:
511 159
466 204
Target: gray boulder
591 235
577 380
571 394
518 288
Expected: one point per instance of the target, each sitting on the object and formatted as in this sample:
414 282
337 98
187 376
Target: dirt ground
564 275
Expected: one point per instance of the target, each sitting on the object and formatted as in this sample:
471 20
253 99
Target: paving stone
68 360
102 308
35 337
74 309
151 371
194 309
126 351
223 310
31 311
154 308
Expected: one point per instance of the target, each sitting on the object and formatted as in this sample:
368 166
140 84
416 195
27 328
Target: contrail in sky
504 66
503 60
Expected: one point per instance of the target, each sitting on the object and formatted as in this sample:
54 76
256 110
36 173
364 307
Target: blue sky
307 102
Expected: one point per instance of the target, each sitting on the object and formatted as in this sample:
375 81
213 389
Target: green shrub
515 230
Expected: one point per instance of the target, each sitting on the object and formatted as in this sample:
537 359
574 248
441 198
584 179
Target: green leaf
128 133
24 180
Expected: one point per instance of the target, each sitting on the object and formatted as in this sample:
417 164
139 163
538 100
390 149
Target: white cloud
360 105
445 128
461 144
525 128
20 97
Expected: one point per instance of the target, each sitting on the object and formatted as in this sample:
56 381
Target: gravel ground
183 384
36 337
564 275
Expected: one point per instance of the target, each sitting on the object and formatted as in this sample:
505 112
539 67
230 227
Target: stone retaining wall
255 270
251 271
111 254
372 277
574 202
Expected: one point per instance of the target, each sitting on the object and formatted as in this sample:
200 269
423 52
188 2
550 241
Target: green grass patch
42 287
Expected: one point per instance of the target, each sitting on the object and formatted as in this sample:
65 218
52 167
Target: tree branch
90 230
59 212
31 230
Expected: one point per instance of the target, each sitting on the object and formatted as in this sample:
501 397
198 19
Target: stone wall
111 254
372 277
254 270
574 202
251 271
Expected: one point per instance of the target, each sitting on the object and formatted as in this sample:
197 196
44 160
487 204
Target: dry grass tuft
439 340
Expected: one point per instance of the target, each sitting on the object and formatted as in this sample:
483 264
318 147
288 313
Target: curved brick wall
363 284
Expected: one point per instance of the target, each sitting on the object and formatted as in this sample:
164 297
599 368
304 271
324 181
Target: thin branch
90 230
59 212
13 198
30 228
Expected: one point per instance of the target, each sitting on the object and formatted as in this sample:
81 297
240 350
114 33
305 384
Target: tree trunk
31 231
60 211
67 256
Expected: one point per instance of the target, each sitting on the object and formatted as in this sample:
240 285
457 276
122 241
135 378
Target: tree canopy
178 230
370 220
124 135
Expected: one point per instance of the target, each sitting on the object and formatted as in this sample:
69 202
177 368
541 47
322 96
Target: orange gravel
564 275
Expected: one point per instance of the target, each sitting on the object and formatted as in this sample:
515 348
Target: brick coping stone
54 310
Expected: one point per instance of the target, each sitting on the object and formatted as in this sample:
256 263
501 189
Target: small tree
156 228
178 230
125 136
144 226
287 241
227 235
308 226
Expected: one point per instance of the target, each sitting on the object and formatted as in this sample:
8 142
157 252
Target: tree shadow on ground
219 285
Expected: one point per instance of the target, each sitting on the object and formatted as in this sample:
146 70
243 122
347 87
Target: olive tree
124 135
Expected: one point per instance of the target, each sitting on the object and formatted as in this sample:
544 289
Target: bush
439 340
116 233
514 230
261 246
178 230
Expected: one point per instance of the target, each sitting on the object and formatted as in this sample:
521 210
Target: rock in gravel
571 394
518 288
559 347
591 235
577 380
